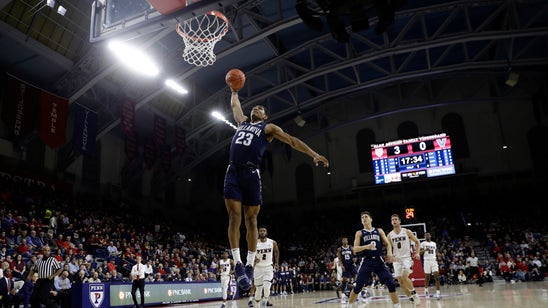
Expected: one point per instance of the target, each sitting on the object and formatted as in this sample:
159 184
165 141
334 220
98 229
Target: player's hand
417 256
389 259
322 159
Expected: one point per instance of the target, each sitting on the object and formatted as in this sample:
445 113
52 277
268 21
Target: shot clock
415 158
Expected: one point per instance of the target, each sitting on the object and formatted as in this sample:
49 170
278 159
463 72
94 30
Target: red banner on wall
128 118
20 108
53 119
150 153
159 130
180 140
131 147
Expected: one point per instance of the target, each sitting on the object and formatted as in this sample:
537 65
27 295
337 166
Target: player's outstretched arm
296 143
236 106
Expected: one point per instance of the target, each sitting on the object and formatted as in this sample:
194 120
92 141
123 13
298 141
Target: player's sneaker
250 303
438 296
365 296
243 281
249 272
223 306
269 304
416 300
426 293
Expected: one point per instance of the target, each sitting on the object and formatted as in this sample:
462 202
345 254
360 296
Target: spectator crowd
98 245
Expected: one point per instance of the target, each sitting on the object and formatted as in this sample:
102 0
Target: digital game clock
406 159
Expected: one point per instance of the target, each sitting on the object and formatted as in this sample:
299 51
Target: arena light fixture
175 86
134 58
61 10
217 115
50 3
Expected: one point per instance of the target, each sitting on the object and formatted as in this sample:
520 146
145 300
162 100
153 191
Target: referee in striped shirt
47 268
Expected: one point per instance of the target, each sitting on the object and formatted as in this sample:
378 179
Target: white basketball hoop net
200 34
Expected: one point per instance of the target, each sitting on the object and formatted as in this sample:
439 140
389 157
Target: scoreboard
415 158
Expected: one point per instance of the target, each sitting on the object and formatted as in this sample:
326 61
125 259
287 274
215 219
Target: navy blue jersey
347 257
248 144
366 238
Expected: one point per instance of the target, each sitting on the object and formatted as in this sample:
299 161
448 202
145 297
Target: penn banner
20 108
53 119
85 130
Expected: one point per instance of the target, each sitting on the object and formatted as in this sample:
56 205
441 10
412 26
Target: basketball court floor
498 294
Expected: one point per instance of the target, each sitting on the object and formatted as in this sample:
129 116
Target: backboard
118 18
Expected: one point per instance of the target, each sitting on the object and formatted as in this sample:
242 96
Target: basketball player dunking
242 186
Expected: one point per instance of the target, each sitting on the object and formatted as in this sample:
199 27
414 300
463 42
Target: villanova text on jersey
249 143
367 237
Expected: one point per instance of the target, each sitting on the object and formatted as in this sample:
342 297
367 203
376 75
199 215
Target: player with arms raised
242 186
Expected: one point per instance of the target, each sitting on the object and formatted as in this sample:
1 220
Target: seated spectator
158 277
34 241
23 249
505 271
8 292
519 275
19 267
81 277
113 250
536 275
25 292
63 288
461 277
62 243
148 269
94 278
116 277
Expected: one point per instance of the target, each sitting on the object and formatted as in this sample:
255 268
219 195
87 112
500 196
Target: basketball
235 79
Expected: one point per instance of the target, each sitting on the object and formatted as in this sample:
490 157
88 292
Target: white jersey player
403 263
266 259
431 267
225 269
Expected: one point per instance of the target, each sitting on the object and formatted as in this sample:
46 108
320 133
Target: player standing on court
346 257
267 259
225 266
369 241
429 253
242 186
403 263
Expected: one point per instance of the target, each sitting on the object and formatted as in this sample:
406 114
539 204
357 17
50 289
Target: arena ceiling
291 67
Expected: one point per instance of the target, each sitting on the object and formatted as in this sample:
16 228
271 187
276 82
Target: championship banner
53 119
20 108
85 130
128 118
180 140
159 130
150 153
130 147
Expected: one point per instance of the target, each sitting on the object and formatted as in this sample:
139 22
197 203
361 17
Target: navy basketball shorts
244 184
